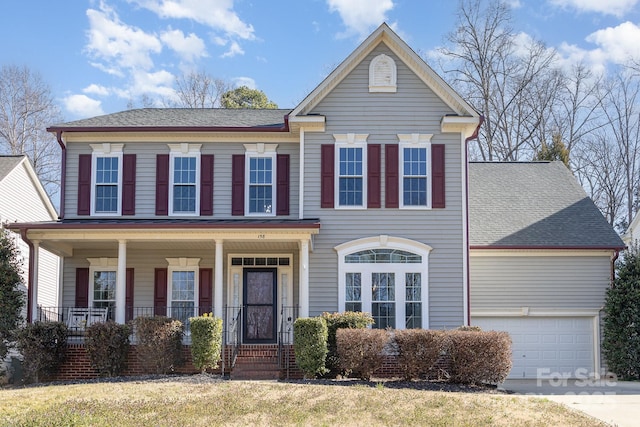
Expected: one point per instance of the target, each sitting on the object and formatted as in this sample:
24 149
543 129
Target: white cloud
156 83
83 106
619 43
234 49
95 89
189 48
360 16
216 14
116 45
610 7
245 81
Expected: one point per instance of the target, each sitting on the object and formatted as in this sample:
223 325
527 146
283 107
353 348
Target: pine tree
621 343
11 296
556 151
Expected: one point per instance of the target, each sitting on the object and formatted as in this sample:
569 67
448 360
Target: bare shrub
479 357
418 351
361 350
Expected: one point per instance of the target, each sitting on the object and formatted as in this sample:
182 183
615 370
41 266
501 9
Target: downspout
23 234
466 153
614 258
63 172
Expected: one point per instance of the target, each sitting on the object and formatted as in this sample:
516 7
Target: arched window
386 276
382 74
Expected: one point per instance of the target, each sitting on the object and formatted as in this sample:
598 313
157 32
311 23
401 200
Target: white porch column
121 282
217 282
304 278
34 279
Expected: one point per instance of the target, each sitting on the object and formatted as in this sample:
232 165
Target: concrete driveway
614 402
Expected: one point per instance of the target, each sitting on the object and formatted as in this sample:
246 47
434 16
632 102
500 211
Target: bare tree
200 90
621 102
510 80
600 170
27 107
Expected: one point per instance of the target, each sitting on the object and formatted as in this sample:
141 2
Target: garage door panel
546 346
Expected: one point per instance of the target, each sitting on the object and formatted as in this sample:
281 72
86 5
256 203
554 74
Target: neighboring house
540 261
354 200
23 199
632 234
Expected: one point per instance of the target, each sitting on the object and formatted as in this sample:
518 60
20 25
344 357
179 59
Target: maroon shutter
282 204
129 295
373 176
84 184
82 287
327 155
392 184
129 184
160 292
206 184
237 184
205 291
437 176
162 184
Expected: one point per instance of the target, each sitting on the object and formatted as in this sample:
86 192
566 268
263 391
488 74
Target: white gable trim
385 35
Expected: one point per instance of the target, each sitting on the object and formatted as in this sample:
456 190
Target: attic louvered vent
382 74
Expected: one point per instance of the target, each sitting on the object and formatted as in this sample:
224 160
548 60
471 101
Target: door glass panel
259 306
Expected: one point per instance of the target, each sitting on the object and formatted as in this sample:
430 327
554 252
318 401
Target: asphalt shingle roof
536 204
8 163
183 117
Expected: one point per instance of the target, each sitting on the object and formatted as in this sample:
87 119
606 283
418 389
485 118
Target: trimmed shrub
107 345
360 351
206 341
43 346
621 343
159 347
469 328
344 320
310 345
479 357
418 351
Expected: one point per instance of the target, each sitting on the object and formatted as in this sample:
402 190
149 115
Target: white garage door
546 346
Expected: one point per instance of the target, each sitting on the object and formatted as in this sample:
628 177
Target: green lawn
180 403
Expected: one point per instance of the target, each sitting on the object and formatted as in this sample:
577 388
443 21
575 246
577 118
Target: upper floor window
260 170
351 164
106 185
415 170
382 74
184 173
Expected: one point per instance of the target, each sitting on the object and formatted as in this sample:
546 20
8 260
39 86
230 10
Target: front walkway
614 402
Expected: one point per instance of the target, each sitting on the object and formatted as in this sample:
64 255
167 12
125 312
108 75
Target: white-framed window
415 170
103 276
387 277
351 170
184 176
182 289
106 179
260 179
382 74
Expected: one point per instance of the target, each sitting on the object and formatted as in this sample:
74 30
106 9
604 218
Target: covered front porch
252 274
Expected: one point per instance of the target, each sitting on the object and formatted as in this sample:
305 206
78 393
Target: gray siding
541 282
146 175
350 108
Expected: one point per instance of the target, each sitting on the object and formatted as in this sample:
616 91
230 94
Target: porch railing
288 315
232 334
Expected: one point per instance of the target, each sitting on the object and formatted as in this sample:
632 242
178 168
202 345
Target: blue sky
98 54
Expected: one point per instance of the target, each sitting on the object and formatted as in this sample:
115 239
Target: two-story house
356 199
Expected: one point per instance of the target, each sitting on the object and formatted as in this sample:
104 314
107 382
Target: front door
259 294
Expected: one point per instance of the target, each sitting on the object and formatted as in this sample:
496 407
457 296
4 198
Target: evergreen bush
310 345
206 341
